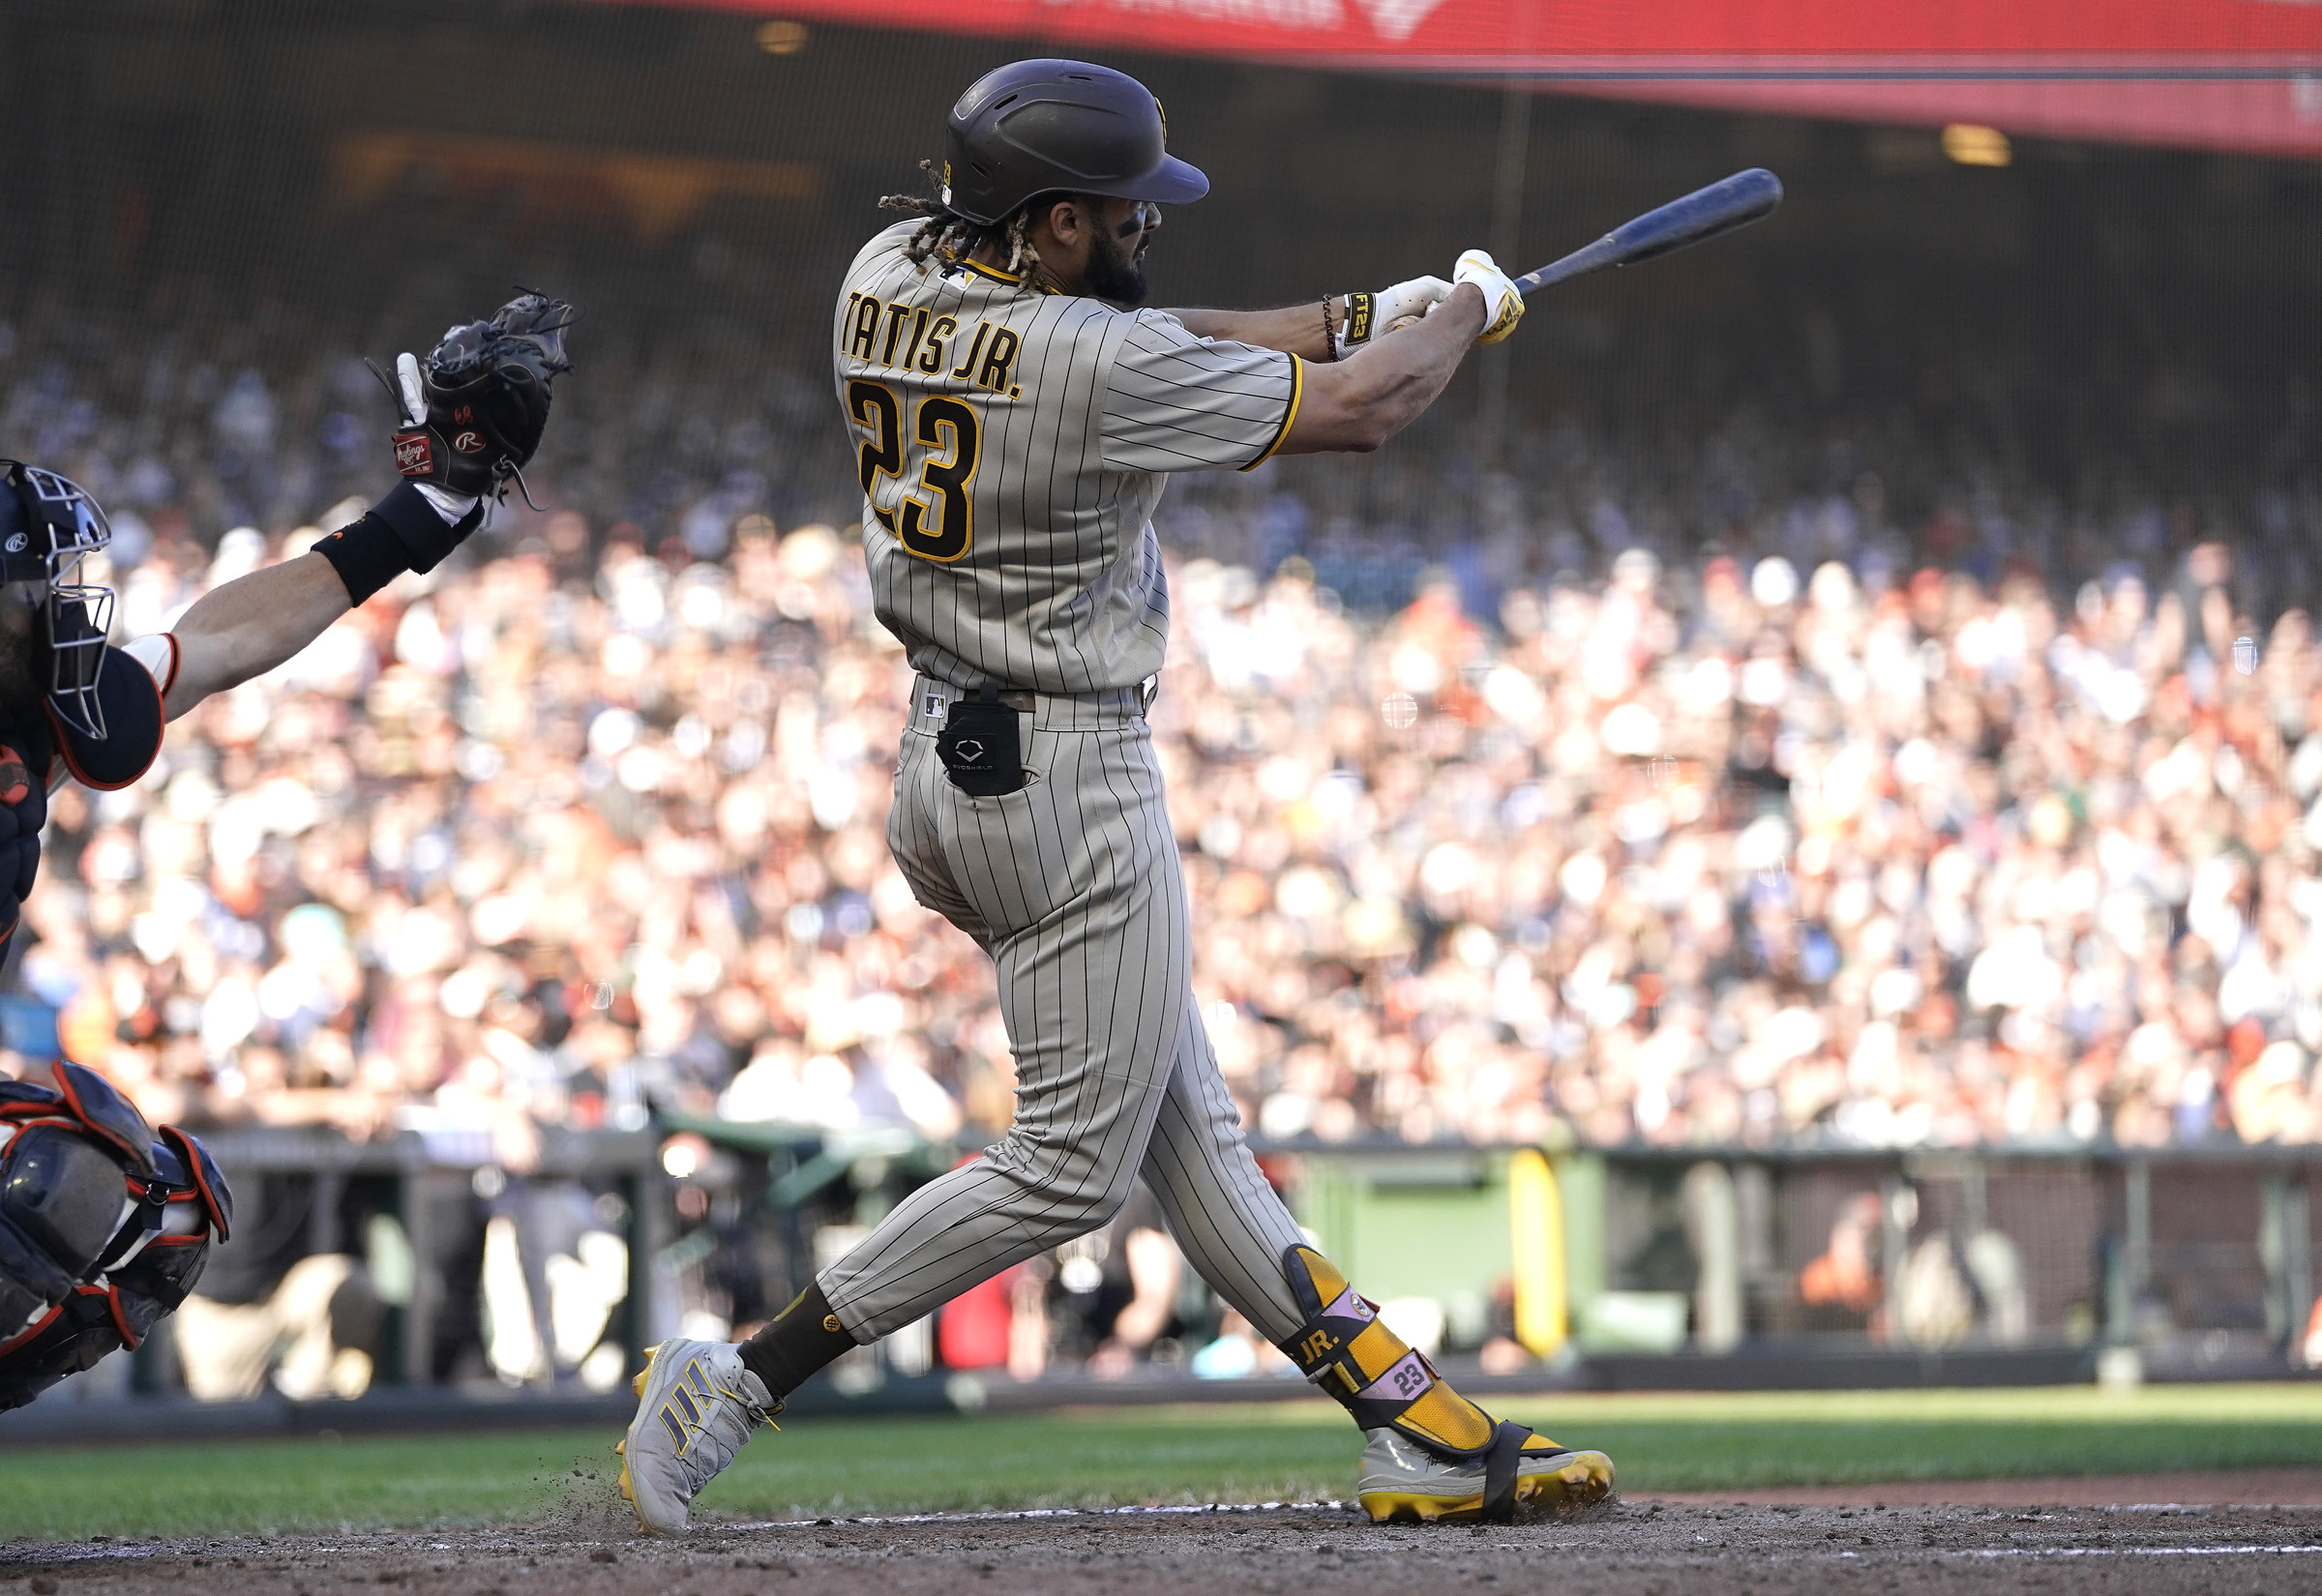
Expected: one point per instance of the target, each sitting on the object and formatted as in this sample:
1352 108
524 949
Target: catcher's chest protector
35 745
25 754
103 1227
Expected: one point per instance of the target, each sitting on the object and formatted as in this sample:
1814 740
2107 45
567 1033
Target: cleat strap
1500 1471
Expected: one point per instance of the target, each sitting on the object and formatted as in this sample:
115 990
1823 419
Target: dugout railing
2006 1262
2199 1259
413 1206
1671 1262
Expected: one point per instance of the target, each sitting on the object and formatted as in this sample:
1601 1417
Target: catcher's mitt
473 412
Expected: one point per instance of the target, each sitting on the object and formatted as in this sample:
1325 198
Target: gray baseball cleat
695 1406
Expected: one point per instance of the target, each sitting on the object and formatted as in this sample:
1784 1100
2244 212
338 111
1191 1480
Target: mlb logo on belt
413 456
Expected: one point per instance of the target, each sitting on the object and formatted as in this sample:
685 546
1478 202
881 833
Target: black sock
798 1341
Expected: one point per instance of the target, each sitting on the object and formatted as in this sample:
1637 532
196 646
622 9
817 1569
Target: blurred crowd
1740 853
1830 833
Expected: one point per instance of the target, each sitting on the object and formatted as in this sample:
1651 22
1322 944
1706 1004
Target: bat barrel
1732 203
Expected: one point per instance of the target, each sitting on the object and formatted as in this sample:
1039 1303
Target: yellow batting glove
1502 305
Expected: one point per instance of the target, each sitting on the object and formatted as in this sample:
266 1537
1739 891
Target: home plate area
1648 1545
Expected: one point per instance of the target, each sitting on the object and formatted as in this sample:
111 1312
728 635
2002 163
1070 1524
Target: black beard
1112 275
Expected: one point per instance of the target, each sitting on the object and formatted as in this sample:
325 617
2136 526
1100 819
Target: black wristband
367 556
420 527
402 532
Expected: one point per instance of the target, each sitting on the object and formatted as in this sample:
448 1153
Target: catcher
105 1225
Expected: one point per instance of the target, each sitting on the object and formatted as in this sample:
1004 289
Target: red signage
2231 74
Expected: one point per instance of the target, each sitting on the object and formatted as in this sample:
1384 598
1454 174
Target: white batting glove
1502 305
1370 317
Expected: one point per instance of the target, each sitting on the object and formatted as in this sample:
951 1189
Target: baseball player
1016 415
104 1226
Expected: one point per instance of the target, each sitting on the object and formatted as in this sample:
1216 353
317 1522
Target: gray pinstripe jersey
1012 446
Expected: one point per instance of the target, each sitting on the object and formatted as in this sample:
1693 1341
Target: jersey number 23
935 520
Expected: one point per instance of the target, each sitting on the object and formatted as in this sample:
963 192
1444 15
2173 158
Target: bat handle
1605 251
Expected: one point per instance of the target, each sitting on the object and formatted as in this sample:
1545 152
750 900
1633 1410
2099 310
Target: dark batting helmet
1058 126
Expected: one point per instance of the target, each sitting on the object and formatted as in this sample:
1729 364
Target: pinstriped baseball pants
1073 886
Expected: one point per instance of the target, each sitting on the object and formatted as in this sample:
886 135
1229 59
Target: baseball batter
1016 415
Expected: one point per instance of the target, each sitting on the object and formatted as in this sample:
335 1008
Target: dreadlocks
950 236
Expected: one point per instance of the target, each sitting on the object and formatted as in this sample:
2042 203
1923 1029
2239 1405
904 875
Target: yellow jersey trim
992 272
1290 414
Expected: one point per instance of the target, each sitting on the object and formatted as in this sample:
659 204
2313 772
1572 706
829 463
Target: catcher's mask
48 525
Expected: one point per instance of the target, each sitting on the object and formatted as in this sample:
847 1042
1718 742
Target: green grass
1273 1452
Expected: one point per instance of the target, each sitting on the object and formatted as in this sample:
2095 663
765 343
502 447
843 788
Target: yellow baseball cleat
1432 1453
1402 1482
